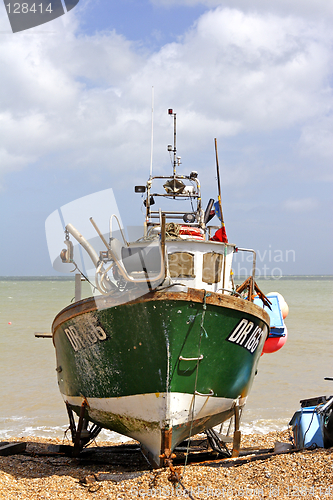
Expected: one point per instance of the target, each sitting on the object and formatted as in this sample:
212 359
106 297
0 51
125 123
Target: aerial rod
174 145
152 132
170 111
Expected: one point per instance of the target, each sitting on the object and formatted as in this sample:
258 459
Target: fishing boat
169 346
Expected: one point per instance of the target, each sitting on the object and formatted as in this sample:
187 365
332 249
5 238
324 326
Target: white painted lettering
255 341
74 338
91 336
85 337
241 339
101 335
247 345
246 334
238 330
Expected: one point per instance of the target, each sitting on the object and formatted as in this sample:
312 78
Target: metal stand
217 444
81 435
217 440
237 433
166 457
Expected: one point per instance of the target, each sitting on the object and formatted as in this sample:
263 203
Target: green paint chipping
143 343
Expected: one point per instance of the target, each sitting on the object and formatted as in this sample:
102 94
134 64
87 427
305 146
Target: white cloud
260 70
296 7
316 144
300 204
12 162
85 100
59 92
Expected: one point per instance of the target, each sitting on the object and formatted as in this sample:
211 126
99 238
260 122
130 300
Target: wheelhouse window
212 267
181 265
142 259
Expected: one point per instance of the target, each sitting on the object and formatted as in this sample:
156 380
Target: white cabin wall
198 249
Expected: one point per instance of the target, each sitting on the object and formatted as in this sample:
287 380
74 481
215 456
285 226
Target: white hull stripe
176 407
144 415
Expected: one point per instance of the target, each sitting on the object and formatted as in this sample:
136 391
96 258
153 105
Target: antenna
174 145
175 162
152 132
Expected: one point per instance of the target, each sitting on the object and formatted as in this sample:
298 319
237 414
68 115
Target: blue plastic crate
275 315
306 426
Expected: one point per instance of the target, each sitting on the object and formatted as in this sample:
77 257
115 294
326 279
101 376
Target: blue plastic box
306 426
275 315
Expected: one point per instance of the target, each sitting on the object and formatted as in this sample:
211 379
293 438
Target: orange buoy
282 303
284 309
273 344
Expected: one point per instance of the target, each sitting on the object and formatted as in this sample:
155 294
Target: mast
174 145
174 150
152 132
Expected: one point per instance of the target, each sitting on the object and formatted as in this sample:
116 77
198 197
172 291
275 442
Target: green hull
163 344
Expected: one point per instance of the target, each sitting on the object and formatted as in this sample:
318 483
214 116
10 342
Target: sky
75 119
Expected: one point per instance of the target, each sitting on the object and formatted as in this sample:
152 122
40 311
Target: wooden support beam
237 434
11 448
77 439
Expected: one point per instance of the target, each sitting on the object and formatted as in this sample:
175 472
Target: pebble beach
39 474
283 380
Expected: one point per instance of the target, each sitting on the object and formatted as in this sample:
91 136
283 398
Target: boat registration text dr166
84 338
246 334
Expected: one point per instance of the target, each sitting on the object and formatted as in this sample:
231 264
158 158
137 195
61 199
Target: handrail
253 265
171 212
121 231
163 247
130 279
211 393
92 254
191 359
232 292
84 243
99 264
99 232
155 215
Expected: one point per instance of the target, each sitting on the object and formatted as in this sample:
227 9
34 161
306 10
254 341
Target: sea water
30 400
